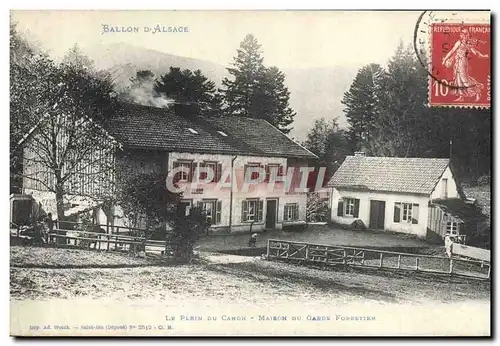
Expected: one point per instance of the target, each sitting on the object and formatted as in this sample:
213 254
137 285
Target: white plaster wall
261 191
452 186
390 199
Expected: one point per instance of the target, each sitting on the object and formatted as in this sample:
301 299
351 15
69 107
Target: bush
484 180
85 225
317 209
185 233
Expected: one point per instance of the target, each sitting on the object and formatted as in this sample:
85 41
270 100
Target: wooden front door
377 215
271 213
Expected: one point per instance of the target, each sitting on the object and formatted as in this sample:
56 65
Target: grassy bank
44 257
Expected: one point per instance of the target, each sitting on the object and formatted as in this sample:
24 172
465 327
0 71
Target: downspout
231 194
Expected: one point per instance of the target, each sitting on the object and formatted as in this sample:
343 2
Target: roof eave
221 152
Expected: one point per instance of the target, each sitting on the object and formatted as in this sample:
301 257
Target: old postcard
250 173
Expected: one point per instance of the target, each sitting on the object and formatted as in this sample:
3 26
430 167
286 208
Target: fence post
363 258
416 263
399 261
268 243
344 258
451 265
381 259
489 270
307 252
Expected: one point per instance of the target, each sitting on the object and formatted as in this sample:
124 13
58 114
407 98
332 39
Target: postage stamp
460 63
231 173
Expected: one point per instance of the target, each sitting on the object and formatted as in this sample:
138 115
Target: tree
256 91
361 105
247 69
193 93
30 73
68 147
271 100
75 58
144 198
328 142
317 209
402 107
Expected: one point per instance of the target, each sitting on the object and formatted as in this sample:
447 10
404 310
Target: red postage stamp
460 63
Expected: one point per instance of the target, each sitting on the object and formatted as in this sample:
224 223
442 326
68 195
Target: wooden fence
109 228
74 237
328 255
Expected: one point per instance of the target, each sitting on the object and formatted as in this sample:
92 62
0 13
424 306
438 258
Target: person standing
50 227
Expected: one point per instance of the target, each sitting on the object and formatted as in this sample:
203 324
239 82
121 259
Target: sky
289 39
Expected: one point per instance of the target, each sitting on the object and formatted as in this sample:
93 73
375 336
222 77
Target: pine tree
271 100
193 93
75 58
246 71
256 91
328 141
361 105
402 110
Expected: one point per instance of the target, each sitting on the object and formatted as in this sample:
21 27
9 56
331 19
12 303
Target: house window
406 212
184 174
291 212
273 168
251 210
215 167
348 207
452 228
185 207
212 210
255 172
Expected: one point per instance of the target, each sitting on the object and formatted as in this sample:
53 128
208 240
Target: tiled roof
389 174
137 126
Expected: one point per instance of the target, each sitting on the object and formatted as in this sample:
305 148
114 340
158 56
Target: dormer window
192 131
222 133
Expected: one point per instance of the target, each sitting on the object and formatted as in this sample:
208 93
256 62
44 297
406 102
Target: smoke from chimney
145 95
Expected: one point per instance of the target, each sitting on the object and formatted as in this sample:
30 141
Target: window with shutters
406 212
349 206
272 169
207 167
291 212
212 210
183 175
252 210
252 167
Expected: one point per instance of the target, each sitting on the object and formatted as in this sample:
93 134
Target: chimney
359 153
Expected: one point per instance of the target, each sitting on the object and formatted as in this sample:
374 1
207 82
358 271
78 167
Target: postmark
456 53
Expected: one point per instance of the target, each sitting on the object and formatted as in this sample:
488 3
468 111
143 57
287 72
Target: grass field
247 279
